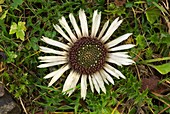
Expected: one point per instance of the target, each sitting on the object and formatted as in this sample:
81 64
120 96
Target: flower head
86 56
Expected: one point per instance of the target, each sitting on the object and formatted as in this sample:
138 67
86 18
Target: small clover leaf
13 28
18 29
21 25
20 34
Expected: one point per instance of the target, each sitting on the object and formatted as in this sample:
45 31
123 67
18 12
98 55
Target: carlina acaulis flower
88 57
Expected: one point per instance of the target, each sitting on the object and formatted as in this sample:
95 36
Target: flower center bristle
87 55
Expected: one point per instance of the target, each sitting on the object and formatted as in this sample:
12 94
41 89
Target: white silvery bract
88 57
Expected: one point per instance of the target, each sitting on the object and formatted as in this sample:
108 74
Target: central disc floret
87 55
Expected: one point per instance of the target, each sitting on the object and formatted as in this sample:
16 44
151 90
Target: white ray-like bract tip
75 26
50 74
45 65
122 47
83 86
96 86
91 83
65 25
119 73
100 81
111 70
53 73
114 71
103 29
70 83
74 83
115 24
107 76
120 60
118 40
111 60
83 23
103 77
95 23
49 50
59 30
67 82
53 59
55 43
120 54
58 74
